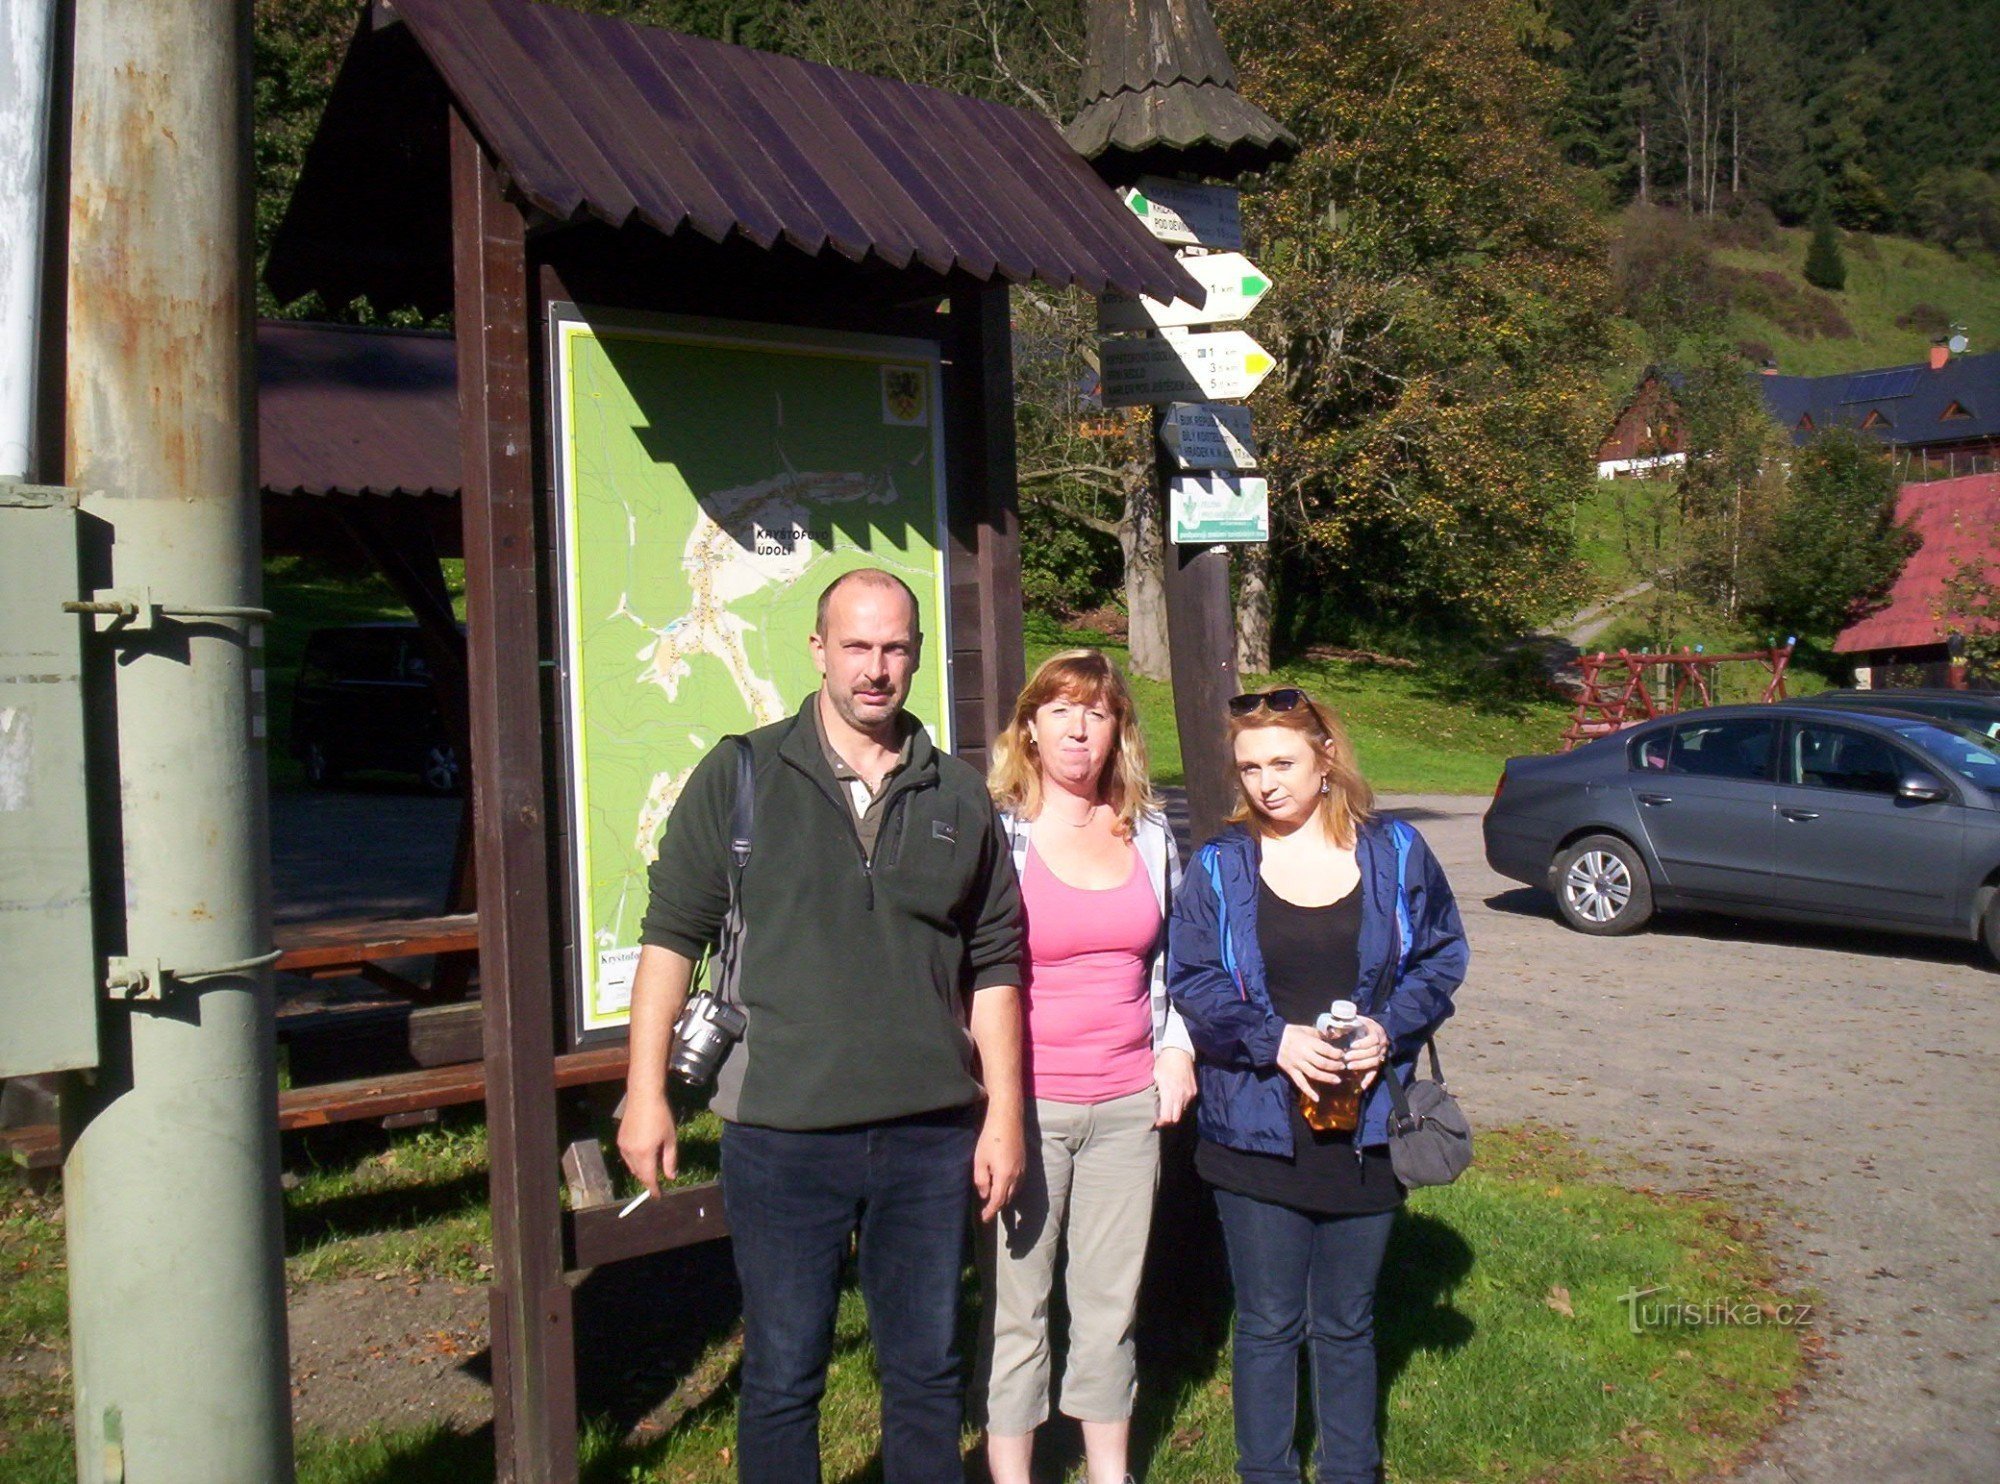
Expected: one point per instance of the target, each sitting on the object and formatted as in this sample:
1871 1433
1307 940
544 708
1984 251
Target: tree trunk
1141 536
1253 609
1643 199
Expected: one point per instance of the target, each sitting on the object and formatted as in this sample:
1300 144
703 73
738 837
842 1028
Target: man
878 896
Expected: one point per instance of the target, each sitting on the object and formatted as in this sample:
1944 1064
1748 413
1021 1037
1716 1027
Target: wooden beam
534 1356
678 1218
1201 644
985 516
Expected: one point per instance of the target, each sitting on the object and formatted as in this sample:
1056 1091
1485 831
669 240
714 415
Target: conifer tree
1826 267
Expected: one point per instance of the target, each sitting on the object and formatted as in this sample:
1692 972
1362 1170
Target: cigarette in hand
634 1204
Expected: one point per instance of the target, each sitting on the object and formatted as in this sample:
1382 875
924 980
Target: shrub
1925 318
1748 224
1959 208
1666 278
1769 294
1825 267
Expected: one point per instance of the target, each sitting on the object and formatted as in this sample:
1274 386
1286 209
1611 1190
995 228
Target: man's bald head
866 577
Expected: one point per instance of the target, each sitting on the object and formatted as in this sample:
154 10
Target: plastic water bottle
1336 1108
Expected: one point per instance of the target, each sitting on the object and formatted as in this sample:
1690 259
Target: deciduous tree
1440 311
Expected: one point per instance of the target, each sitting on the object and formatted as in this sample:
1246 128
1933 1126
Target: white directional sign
1203 509
1209 435
1234 286
1174 211
1184 368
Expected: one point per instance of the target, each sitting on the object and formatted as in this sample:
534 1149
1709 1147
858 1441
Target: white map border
568 322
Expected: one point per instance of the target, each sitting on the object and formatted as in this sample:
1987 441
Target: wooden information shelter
494 158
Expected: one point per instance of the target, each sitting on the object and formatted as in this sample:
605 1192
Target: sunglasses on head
1285 698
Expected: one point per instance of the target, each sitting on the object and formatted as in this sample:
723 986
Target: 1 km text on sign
1234 284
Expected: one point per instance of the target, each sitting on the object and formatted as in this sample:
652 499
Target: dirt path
1844 1085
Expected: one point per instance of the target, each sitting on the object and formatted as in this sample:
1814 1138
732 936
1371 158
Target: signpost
1192 215
1208 435
1234 284
1207 508
1186 368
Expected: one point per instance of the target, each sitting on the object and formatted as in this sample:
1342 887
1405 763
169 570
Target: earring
1325 787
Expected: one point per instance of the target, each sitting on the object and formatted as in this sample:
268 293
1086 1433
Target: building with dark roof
1940 416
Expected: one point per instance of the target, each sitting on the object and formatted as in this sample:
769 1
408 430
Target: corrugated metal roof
1913 405
595 118
1957 520
344 411
1159 95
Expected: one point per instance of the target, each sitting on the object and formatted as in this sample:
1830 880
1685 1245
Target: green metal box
48 983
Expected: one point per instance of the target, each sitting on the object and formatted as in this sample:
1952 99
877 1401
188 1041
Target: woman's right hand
1307 1057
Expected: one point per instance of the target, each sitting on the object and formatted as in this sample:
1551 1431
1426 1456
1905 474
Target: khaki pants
1092 1170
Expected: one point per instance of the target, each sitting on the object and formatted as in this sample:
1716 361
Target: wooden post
1201 643
985 515
534 1358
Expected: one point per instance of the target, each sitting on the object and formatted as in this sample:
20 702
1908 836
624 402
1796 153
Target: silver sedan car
1866 819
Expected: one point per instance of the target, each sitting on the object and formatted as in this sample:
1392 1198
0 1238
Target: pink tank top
1090 1017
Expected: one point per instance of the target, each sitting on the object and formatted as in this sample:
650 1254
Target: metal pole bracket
134 609
130 977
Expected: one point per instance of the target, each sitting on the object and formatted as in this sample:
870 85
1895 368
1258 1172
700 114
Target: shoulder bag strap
729 949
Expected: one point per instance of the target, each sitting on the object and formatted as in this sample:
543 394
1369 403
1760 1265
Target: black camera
702 1038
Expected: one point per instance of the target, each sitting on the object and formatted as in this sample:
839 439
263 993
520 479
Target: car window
1722 749
1650 751
1972 755
1844 758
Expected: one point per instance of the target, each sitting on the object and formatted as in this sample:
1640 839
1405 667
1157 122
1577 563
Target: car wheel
1602 887
1990 932
440 771
319 768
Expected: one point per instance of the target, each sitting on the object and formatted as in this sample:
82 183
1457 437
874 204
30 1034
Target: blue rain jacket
1412 956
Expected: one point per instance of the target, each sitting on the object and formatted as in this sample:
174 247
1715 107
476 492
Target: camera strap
729 948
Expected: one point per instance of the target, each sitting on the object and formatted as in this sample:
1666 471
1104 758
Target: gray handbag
1430 1142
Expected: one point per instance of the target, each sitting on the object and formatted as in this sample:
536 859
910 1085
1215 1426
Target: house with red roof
1907 641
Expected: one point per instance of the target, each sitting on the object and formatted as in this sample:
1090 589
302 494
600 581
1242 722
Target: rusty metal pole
177 1305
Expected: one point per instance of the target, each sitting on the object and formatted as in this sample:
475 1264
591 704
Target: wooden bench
359 947
39 1146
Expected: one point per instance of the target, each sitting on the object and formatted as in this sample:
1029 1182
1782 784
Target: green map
714 480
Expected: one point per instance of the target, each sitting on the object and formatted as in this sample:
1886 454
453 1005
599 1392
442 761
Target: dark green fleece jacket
857 972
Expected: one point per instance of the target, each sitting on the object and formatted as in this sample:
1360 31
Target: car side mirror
1921 790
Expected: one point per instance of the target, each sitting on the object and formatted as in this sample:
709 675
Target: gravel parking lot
1845 1086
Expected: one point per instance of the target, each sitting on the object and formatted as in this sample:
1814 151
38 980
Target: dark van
364 700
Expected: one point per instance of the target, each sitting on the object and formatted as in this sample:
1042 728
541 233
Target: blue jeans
1302 1278
793 1199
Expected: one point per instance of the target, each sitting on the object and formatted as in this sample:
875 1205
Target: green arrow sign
1234 284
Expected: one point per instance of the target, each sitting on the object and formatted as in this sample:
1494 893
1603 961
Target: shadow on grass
371 1212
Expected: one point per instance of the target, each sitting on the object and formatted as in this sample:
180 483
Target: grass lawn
1506 1349
1426 730
1887 277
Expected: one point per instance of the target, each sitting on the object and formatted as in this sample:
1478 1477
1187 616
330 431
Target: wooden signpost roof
1159 97
598 119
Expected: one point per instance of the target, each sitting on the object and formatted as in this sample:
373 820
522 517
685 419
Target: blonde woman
1108 1062
1309 897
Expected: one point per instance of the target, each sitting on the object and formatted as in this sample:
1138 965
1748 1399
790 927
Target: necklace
1081 824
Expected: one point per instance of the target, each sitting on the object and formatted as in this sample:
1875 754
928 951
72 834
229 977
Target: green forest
1502 213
